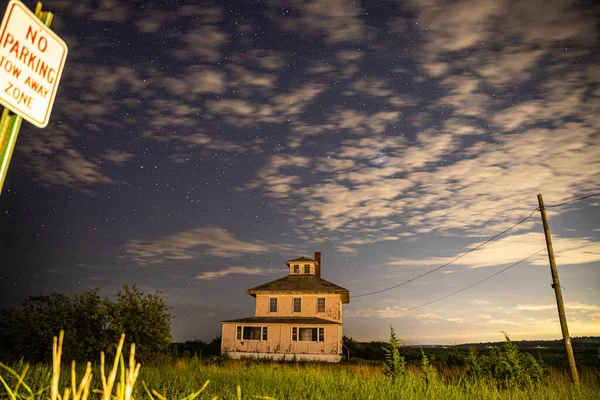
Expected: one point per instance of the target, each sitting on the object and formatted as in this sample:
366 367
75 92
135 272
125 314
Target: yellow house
299 315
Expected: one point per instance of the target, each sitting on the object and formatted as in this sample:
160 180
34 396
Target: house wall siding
285 308
279 340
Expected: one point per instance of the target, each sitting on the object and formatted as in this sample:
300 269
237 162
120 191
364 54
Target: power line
450 262
476 283
572 201
475 248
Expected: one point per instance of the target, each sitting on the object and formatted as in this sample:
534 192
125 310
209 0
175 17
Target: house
299 315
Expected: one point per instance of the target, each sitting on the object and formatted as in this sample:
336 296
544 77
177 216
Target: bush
508 366
394 363
427 370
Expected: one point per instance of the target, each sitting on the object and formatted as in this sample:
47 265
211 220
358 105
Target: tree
144 319
33 325
91 324
91 319
351 346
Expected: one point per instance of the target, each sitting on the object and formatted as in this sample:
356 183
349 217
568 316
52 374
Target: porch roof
285 320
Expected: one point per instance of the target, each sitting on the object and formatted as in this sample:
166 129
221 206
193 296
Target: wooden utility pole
559 299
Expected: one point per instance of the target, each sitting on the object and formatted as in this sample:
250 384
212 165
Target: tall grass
236 379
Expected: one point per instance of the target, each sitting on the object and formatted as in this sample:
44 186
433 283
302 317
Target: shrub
508 366
427 370
395 365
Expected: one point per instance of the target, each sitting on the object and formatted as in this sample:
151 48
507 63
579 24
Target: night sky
194 147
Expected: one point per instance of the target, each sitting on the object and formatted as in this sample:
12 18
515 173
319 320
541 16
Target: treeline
577 342
197 348
91 323
587 355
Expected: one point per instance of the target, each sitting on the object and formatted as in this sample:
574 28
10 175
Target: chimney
318 266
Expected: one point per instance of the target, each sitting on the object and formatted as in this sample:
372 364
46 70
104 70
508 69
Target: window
296 268
308 334
251 332
273 304
297 304
321 304
306 269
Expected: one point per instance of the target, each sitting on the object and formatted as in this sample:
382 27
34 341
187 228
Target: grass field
310 381
251 379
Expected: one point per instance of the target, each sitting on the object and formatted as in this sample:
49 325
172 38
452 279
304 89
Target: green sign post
31 62
9 130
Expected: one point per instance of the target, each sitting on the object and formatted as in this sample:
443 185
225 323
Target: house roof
300 259
300 284
285 320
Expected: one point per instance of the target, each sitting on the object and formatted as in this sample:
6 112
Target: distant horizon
403 343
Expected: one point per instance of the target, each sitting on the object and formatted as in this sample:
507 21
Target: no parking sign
32 58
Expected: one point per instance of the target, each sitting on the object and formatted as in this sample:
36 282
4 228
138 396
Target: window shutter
314 334
239 333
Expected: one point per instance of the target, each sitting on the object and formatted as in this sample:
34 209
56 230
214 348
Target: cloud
480 155
151 21
522 322
345 249
338 21
376 87
478 26
435 184
110 10
203 42
250 83
235 107
269 59
569 306
186 246
211 275
57 163
117 157
504 322
513 248
212 142
440 182
584 318
204 81
394 312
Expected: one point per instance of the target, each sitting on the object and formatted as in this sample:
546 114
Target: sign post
32 58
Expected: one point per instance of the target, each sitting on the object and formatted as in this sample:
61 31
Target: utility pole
559 299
